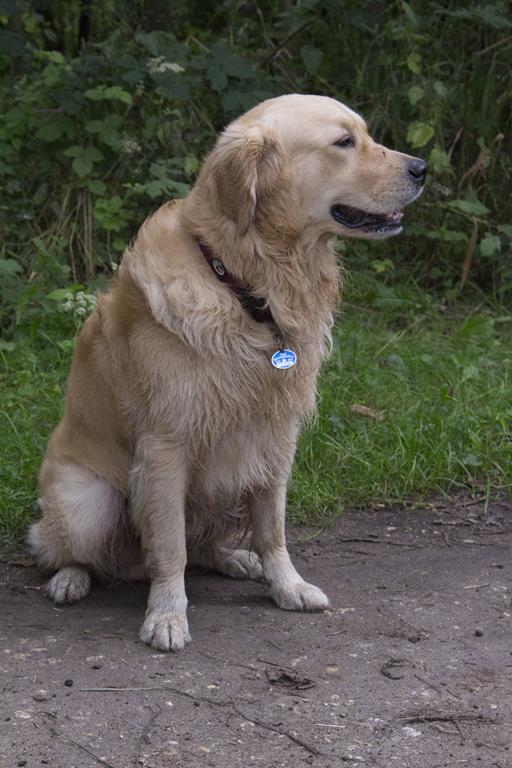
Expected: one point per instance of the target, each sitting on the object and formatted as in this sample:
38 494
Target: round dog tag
284 358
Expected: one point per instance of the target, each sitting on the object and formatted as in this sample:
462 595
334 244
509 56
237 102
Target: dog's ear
245 170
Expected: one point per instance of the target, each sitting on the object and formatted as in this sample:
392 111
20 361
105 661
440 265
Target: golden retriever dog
191 379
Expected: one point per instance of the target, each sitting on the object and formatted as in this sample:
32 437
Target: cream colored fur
178 435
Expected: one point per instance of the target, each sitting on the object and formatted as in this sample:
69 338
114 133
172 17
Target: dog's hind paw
299 596
240 564
68 585
165 631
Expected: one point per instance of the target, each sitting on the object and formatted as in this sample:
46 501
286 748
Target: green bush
94 137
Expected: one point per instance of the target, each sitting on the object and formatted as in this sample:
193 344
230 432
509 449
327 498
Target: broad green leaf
190 165
172 86
92 154
441 89
81 166
414 63
95 94
154 189
97 187
506 229
115 203
409 13
149 41
10 267
110 213
230 63
439 161
447 235
112 92
94 126
472 207
117 93
53 74
415 94
84 158
54 56
217 77
382 265
419 134
312 58
106 129
58 294
50 131
41 194
74 151
490 245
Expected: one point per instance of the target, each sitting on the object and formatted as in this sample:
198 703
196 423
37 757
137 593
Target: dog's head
311 159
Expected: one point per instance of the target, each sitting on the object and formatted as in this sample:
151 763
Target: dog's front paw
68 585
165 631
299 596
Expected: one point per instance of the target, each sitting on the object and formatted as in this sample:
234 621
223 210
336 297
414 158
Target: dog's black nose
418 170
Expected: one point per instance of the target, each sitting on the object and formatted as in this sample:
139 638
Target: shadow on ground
411 667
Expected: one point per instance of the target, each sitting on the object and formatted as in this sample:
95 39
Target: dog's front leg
287 587
158 490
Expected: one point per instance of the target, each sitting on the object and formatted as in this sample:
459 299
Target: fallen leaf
390 667
364 410
289 679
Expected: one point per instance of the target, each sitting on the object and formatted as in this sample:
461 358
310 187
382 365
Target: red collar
255 306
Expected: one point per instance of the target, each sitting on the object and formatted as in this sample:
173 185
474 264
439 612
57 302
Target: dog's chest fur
236 415
238 418
204 378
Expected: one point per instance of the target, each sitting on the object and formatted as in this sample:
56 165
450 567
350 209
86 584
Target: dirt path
411 667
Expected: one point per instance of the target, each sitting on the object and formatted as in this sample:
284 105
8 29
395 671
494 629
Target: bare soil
411 668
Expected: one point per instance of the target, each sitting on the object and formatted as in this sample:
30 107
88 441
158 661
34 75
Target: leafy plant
94 137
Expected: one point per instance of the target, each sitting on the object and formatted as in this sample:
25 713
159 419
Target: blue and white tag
284 358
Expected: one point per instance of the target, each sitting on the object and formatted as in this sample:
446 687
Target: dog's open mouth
353 218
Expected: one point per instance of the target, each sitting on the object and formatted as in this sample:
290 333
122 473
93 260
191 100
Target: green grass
32 377
441 377
442 380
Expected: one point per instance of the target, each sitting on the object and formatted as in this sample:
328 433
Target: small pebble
479 633
21 762
40 696
96 666
68 682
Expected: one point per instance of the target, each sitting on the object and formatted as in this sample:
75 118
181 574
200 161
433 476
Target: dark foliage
108 108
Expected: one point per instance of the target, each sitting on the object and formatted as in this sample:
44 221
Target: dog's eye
347 141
